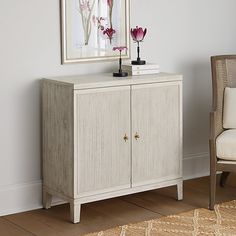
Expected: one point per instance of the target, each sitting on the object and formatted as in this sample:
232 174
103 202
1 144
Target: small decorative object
120 73
147 69
138 35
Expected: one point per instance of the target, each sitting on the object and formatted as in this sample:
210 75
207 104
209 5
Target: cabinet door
102 154
156 118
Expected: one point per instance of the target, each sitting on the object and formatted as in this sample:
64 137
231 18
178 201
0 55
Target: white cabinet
105 137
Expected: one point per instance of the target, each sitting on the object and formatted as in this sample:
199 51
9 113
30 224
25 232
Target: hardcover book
148 66
143 72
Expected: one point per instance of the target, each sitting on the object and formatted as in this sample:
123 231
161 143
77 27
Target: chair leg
212 175
212 190
223 178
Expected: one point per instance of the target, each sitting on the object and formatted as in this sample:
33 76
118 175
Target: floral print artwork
89 20
91 28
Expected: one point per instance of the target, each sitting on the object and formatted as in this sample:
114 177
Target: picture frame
91 28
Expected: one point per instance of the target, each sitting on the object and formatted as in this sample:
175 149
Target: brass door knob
136 136
126 138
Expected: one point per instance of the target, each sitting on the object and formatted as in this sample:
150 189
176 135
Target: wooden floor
114 212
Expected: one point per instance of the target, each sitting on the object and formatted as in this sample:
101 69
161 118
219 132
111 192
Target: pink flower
99 21
138 33
121 48
110 3
109 32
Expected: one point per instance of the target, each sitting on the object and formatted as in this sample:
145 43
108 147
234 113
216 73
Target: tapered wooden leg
75 209
180 191
213 160
47 199
212 190
223 178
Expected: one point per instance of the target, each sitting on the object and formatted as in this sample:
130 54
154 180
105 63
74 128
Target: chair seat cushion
226 145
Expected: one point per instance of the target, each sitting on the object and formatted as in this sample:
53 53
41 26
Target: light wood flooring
114 212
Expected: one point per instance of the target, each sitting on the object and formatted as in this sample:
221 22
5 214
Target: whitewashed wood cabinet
105 137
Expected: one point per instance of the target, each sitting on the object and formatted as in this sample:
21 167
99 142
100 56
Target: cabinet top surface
103 80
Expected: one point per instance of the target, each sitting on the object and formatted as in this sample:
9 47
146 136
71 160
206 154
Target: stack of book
146 69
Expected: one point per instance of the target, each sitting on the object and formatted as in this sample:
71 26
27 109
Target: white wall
182 34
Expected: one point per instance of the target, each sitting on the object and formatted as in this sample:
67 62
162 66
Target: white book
148 66
143 72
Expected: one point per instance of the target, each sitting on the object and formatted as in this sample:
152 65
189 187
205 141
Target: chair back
223 75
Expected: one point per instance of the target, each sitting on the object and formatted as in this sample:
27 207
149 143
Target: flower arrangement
120 73
138 35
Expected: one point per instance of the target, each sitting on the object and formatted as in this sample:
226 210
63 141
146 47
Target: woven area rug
221 221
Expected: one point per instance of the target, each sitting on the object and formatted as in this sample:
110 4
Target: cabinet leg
75 209
180 191
47 200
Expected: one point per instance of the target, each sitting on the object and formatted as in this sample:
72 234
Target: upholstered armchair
222 136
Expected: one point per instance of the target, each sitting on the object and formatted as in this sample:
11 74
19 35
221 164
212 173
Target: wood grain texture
75 209
47 199
180 190
156 117
8 228
110 213
57 122
96 196
107 80
102 118
85 154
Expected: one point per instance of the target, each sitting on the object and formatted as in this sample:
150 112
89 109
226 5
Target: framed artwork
91 28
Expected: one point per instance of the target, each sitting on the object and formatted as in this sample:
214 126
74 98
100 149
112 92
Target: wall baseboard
196 165
28 196
22 197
